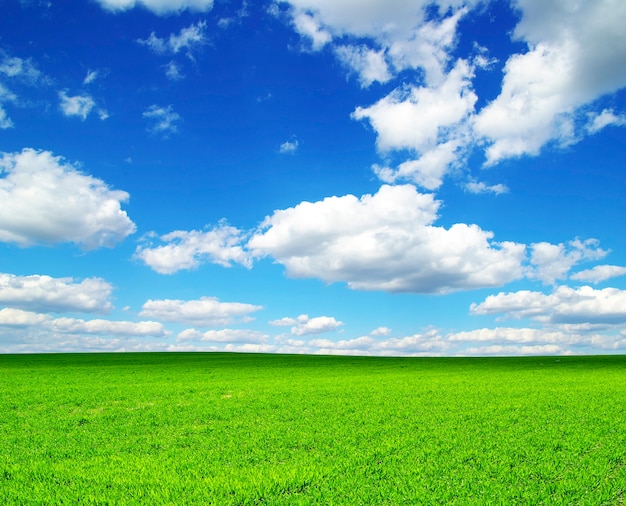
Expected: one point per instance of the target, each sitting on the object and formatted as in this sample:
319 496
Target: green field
203 428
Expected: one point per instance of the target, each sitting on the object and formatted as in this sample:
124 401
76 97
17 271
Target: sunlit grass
275 429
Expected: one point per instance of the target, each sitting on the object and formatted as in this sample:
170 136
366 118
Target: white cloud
428 121
369 65
5 96
481 187
225 336
79 105
5 121
599 273
186 250
173 72
575 55
45 200
303 325
43 322
380 331
45 293
564 305
164 119
598 121
289 147
398 30
385 241
207 311
188 38
91 76
427 344
551 262
160 7
14 67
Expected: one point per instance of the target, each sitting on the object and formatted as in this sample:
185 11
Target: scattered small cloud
164 119
91 76
480 187
80 105
289 147
188 39
303 325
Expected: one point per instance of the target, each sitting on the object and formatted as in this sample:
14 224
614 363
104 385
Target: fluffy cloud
79 105
551 262
564 305
399 35
18 318
44 293
164 119
303 325
187 249
207 311
385 241
188 39
160 7
574 57
224 336
369 65
599 273
45 200
427 121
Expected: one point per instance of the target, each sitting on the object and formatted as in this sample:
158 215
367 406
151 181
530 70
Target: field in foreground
194 428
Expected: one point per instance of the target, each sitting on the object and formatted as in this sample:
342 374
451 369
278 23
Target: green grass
194 428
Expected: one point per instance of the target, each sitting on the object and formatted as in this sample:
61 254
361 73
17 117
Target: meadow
238 429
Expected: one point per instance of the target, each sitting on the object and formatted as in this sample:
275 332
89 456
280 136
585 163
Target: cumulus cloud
80 105
564 305
426 121
599 273
45 200
45 293
303 325
160 7
225 336
399 34
574 56
164 119
188 39
386 241
551 262
206 311
188 249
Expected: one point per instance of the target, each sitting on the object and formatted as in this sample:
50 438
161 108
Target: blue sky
313 176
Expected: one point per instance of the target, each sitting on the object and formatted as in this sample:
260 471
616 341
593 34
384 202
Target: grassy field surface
195 428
